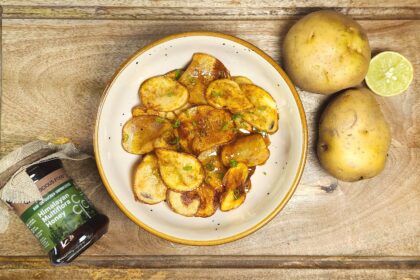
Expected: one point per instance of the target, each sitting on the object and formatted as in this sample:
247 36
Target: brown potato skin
325 52
354 136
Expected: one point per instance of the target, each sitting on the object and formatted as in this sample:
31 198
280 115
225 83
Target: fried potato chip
163 94
232 199
226 94
185 203
204 127
208 201
148 187
186 106
202 70
264 115
250 150
179 171
214 168
175 74
139 133
241 80
236 176
140 110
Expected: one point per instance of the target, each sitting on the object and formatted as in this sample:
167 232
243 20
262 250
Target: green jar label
61 211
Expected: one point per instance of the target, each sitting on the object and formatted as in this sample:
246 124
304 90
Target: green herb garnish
125 137
160 120
262 108
177 74
225 126
233 163
187 167
170 94
176 124
236 193
210 166
215 93
174 141
237 116
220 174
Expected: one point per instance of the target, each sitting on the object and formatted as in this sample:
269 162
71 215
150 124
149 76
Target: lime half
389 74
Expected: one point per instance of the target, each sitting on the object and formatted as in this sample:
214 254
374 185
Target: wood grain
54 73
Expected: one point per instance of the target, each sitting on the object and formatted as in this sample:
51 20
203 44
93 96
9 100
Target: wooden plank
242 12
53 76
217 3
219 262
69 272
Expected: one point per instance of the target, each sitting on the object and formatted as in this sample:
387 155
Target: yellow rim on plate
292 187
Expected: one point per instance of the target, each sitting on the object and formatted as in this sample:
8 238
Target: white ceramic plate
272 184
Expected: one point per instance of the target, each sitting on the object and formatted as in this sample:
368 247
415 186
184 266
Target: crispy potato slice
214 168
163 94
202 70
236 176
226 94
250 150
264 115
203 127
186 106
208 201
140 110
241 125
241 80
148 187
175 74
232 199
140 132
185 203
181 172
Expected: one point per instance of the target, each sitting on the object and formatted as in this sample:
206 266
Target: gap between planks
201 13
220 262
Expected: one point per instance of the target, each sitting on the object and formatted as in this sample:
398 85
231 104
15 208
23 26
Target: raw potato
214 168
148 187
325 52
264 116
141 111
175 74
354 137
204 127
139 133
241 80
250 150
186 204
208 201
180 172
226 94
163 94
202 70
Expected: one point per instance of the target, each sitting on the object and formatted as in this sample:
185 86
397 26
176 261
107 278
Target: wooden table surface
56 60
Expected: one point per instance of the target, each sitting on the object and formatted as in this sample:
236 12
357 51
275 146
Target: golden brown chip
236 176
183 108
264 116
203 127
168 141
250 150
140 110
226 94
179 171
148 187
241 125
232 199
139 133
208 201
163 94
241 80
214 168
185 203
202 70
